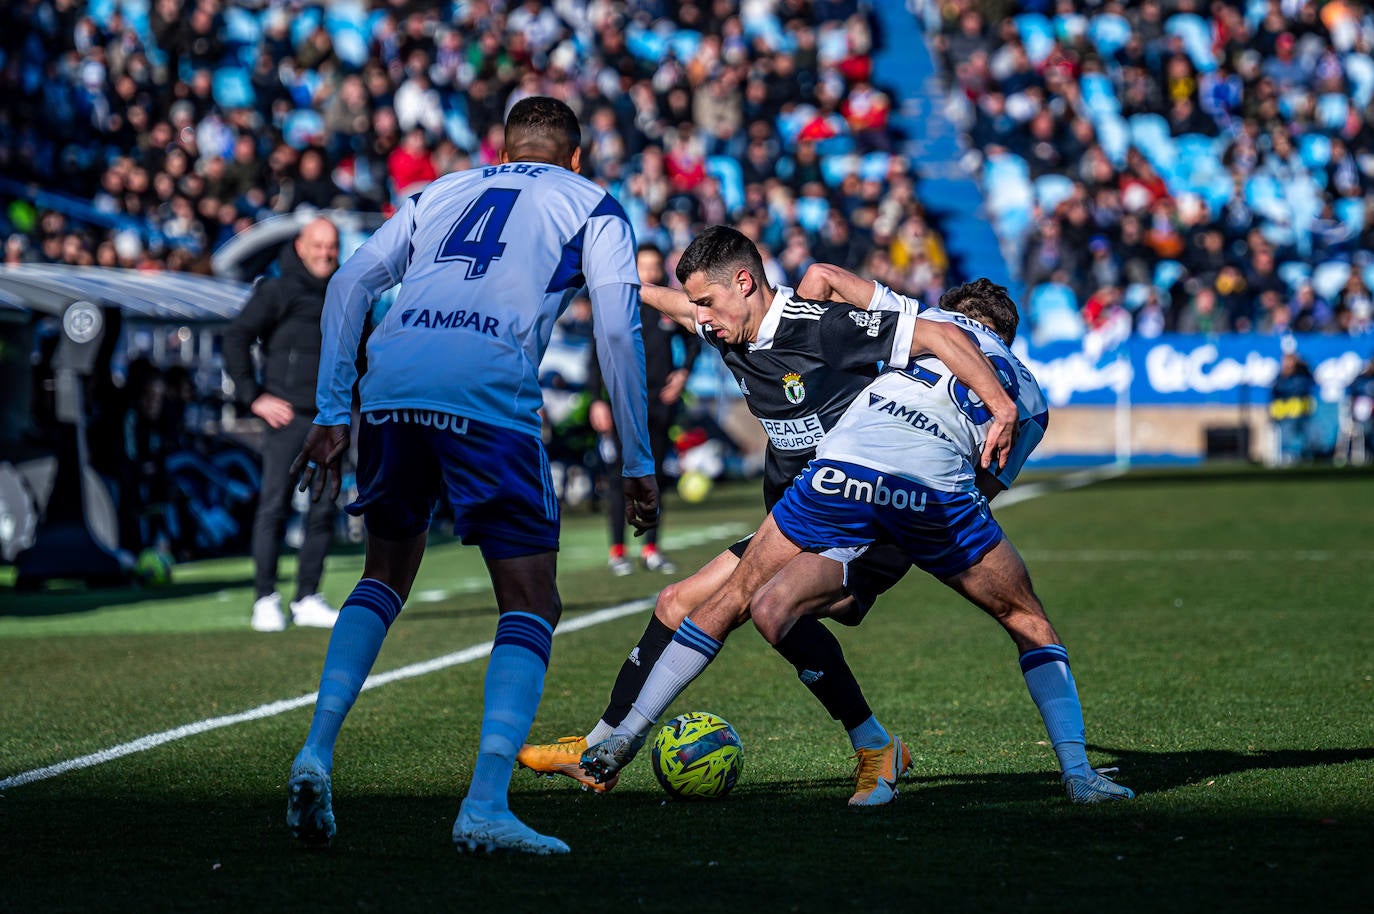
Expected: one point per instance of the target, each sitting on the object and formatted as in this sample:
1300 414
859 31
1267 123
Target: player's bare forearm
827 282
961 355
673 303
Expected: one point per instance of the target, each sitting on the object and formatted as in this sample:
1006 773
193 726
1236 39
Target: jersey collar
768 329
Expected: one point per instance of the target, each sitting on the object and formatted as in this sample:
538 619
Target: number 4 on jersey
476 237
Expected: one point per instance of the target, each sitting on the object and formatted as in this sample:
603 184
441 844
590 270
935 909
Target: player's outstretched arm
827 282
672 303
949 343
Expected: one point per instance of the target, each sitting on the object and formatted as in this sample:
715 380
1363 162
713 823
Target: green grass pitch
1219 626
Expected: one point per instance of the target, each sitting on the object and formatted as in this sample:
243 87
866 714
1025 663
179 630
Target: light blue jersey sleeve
619 343
375 267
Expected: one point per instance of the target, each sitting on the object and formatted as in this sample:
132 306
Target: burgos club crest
793 387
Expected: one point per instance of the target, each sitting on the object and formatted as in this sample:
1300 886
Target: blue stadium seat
727 171
241 27
1359 72
1135 296
1332 110
1070 27
301 127
1051 190
1304 200
101 11
1109 33
834 169
351 46
304 23
873 167
1350 210
1329 278
232 87
1150 134
1315 150
457 129
1113 135
1264 195
1054 314
684 43
811 213
1167 273
1037 35
646 44
1099 94
1294 273
1197 39
836 145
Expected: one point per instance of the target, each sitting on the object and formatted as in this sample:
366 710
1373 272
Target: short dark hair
543 120
987 302
719 252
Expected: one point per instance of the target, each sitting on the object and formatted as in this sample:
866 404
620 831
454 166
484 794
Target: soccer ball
697 755
694 486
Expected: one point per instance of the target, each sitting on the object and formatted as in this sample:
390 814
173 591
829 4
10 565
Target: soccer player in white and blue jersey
898 467
450 410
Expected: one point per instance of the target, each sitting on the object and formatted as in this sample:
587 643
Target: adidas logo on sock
634 655
810 677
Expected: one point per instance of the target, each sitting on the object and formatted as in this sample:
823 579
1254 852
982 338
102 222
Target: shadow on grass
76 599
984 842
1146 771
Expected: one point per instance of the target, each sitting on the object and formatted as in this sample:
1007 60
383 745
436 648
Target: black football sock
814 651
635 670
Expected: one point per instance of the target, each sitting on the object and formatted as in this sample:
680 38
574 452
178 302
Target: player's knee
771 611
670 607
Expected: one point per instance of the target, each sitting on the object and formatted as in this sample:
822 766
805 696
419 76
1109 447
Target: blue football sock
357 637
1051 685
682 661
514 685
870 734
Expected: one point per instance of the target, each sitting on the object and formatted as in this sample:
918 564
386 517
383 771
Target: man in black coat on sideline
284 315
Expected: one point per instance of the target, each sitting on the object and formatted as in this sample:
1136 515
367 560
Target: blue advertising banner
1179 370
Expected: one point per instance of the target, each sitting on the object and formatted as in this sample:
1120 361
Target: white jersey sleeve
375 267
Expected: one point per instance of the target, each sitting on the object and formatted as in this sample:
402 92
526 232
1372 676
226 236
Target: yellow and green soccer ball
697 756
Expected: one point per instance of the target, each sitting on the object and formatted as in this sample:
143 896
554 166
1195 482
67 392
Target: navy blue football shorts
834 504
496 480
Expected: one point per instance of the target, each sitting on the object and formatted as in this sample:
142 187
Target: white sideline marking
153 740
467 655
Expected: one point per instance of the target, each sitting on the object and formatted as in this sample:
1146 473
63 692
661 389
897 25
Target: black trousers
279 448
660 421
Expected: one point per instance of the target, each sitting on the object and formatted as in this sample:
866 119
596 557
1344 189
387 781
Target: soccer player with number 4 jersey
450 410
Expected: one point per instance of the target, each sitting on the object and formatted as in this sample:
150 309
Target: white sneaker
267 614
313 612
481 832
655 561
620 566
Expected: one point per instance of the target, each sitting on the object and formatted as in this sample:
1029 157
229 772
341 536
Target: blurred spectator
1238 140
1357 419
1292 401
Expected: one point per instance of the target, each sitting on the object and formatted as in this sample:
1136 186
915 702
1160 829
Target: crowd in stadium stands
181 124
1158 166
